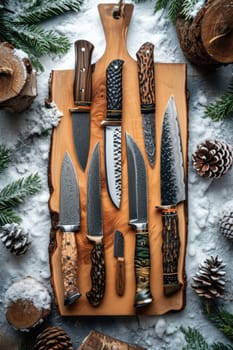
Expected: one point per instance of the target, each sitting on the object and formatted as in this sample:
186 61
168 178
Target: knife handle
170 250
69 263
82 88
146 77
114 88
120 276
96 294
143 295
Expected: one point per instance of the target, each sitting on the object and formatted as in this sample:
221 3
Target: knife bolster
143 295
110 122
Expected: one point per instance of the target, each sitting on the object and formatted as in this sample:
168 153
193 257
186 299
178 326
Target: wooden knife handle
170 250
143 295
120 276
69 263
96 294
114 85
145 62
82 88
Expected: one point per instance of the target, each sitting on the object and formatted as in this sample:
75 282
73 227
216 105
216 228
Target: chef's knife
145 62
138 219
82 94
69 224
120 265
95 230
112 130
172 193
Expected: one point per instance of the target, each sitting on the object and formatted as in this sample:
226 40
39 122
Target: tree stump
208 39
18 85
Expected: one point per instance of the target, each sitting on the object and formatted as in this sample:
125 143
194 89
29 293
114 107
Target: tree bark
18 85
208 39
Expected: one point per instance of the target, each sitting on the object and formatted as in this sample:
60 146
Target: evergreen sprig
221 107
5 157
187 8
223 321
20 25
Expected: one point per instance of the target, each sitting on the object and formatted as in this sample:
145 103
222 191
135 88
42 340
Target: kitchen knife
82 94
112 130
95 230
138 219
145 62
120 265
172 193
69 224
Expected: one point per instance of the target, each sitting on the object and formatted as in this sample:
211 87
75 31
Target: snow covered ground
27 134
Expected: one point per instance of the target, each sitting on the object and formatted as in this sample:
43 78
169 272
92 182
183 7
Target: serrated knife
82 94
120 264
95 230
112 131
69 224
172 193
146 78
138 219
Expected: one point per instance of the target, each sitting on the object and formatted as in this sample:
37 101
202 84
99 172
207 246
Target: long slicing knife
172 181
120 265
112 130
138 219
95 230
82 93
69 224
145 61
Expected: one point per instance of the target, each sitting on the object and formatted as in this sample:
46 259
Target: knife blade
138 219
69 223
120 265
145 62
82 94
112 130
95 230
172 193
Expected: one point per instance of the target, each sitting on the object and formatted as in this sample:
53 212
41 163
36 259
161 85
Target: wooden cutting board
170 79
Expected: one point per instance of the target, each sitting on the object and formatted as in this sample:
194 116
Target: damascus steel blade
148 123
172 167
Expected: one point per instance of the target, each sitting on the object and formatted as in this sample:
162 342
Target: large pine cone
15 238
209 282
226 223
53 338
212 158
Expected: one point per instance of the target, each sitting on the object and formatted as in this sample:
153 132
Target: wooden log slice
217 31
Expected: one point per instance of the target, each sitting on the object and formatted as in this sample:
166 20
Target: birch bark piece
28 303
18 85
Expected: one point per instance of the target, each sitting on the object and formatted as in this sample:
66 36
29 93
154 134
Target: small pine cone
212 158
53 338
226 223
209 282
15 238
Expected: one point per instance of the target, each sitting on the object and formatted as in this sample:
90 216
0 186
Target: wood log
18 85
208 39
97 341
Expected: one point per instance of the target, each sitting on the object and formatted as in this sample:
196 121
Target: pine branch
221 108
194 339
161 4
174 9
188 7
221 346
8 216
14 193
5 157
223 321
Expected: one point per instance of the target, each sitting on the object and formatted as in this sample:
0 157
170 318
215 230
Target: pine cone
212 158
209 282
15 238
226 224
53 338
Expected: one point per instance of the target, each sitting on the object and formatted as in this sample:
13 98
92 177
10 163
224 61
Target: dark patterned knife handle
69 263
143 295
170 250
96 294
114 85
82 88
145 61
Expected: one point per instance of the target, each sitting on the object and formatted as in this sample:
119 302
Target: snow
29 133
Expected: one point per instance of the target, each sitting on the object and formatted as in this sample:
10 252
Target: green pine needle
8 216
5 157
223 321
221 346
194 339
221 108
161 4
14 193
187 8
